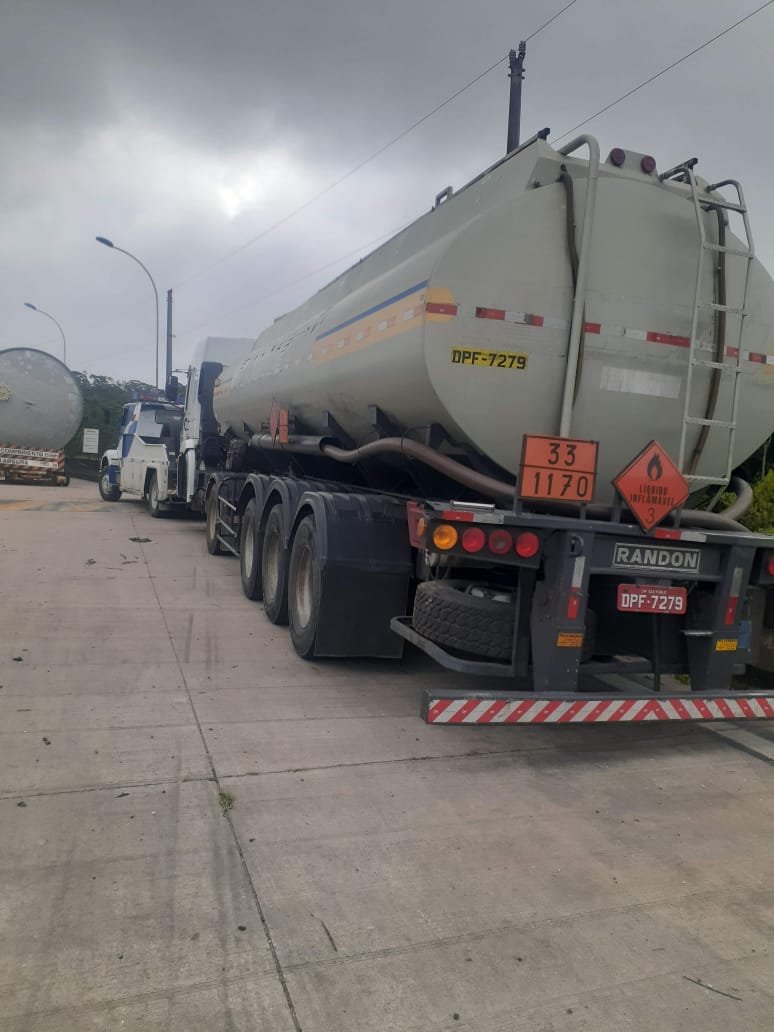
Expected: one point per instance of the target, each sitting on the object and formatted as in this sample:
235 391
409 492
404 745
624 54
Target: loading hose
500 491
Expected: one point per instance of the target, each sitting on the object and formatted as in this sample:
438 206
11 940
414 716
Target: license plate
652 598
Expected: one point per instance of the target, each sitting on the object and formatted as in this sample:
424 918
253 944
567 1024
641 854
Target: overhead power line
337 182
551 19
669 67
366 161
254 301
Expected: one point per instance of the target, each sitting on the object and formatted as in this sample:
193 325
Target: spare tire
480 623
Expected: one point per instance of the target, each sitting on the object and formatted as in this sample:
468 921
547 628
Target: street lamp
115 247
29 304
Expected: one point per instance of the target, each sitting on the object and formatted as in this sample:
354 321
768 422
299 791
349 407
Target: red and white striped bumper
455 709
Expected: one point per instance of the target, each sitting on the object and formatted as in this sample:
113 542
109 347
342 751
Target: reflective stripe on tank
609 330
404 311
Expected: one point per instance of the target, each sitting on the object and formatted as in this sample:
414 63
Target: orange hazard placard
652 486
557 468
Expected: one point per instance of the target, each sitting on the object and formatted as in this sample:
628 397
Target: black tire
108 492
250 553
274 567
452 617
214 546
152 497
304 588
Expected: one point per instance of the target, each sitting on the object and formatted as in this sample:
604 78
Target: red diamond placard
652 486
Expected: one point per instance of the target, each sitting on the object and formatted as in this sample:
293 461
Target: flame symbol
655 469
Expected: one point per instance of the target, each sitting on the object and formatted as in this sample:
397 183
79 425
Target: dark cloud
182 128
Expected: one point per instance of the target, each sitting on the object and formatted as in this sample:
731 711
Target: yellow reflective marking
569 641
726 645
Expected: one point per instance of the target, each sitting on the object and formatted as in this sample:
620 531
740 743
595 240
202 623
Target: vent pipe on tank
516 61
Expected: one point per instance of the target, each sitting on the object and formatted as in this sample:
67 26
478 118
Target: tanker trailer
454 442
41 408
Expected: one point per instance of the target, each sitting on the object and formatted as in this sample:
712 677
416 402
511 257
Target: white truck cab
165 450
144 463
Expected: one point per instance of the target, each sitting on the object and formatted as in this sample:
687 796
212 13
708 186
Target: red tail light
770 565
527 544
500 541
473 539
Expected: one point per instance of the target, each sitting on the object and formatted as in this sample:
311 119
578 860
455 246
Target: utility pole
516 62
169 337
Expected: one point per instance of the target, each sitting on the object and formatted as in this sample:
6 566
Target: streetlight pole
115 247
29 304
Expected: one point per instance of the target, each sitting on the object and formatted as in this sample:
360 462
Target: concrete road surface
199 831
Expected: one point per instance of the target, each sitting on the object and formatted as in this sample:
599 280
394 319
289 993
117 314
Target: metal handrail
576 329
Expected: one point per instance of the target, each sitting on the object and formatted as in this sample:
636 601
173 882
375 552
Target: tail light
527 544
445 537
648 164
417 524
500 541
473 539
617 157
770 565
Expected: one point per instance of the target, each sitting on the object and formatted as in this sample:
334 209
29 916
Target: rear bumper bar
580 707
590 708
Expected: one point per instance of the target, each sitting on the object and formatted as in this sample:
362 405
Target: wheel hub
304 588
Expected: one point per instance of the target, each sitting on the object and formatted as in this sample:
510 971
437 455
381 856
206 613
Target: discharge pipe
489 487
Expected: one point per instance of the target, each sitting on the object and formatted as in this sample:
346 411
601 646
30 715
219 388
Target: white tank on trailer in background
41 405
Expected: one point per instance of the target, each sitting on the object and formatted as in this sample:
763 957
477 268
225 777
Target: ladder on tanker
703 203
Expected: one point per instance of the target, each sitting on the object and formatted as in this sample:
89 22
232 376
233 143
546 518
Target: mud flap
715 635
557 620
366 567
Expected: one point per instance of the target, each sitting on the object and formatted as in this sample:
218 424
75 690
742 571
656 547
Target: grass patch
226 801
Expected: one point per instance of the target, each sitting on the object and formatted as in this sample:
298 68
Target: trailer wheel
475 623
250 553
274 567
108 492
152 497
304 588
214 546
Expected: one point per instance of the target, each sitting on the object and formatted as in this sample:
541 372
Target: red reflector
730 611
457 516
527 544
648 164
500 542
617 156
573 605
666 534
440 308
473 539
770 565
490 313
667 338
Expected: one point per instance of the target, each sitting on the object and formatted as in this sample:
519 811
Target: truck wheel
304 589
250 553
214 546
108 492
152 497
475 623
274 567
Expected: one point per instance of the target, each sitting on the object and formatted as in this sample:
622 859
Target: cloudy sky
183 129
